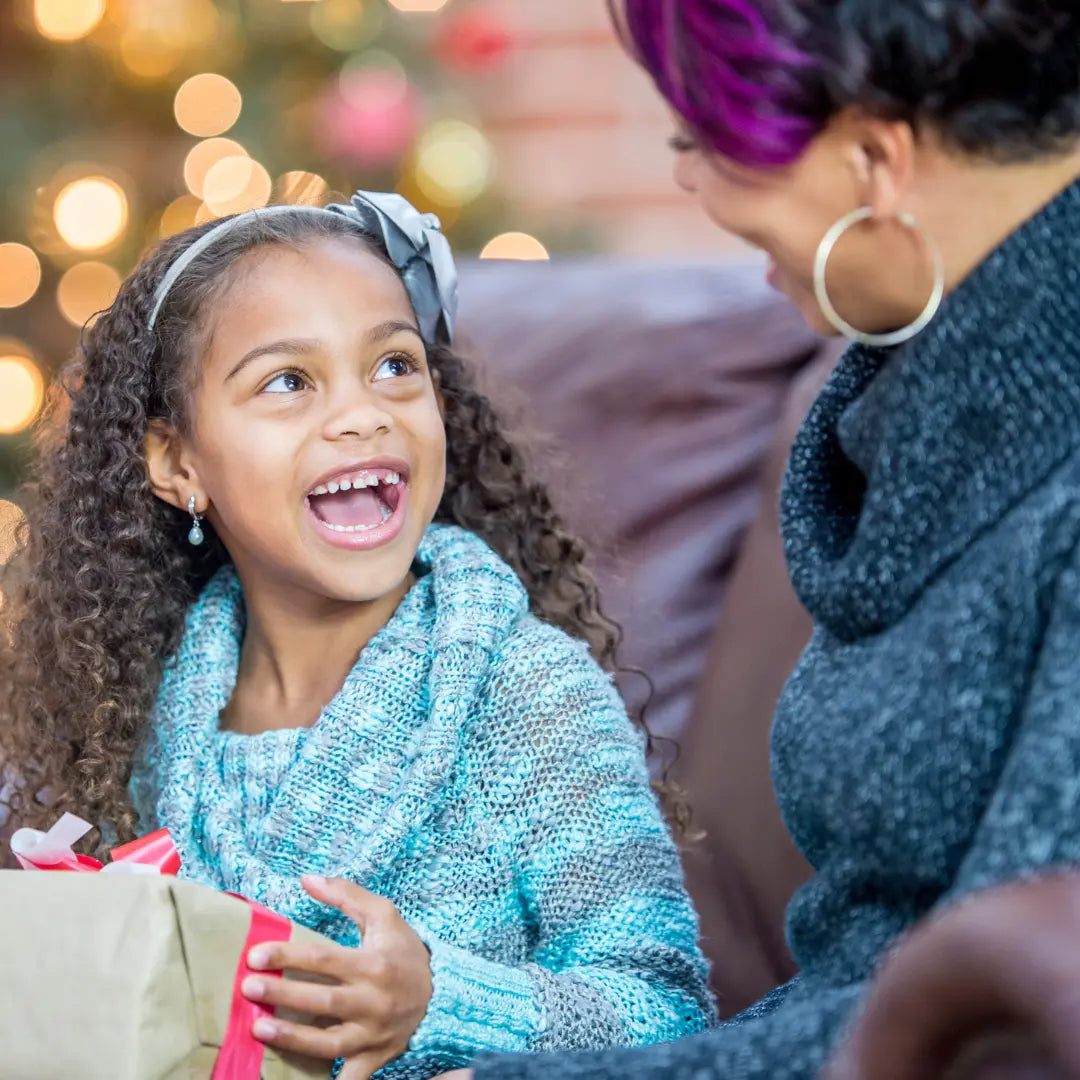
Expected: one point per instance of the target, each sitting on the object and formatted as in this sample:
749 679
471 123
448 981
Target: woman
910 167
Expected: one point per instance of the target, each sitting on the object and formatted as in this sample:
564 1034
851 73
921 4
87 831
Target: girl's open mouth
360 508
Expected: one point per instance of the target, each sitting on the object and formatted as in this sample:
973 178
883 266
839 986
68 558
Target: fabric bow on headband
417 247
413 241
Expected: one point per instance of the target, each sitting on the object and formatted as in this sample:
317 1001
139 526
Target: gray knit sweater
928 744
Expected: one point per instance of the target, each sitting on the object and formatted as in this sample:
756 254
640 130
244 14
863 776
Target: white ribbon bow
37 850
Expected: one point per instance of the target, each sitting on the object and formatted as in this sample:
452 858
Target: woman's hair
104 576
756 80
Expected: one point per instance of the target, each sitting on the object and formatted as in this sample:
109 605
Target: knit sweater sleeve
614 957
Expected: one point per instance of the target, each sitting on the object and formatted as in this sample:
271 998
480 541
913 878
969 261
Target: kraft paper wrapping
121 978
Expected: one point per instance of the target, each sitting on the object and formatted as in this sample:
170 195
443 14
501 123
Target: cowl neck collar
380 756
909 454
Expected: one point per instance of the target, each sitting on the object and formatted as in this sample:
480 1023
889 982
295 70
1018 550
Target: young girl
288 591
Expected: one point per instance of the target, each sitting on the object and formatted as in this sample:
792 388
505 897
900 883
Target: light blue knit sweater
479 770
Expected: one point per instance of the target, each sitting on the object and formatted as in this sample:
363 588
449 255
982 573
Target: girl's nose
356 414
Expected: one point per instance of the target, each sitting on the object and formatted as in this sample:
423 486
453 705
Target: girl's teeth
356 483
359 528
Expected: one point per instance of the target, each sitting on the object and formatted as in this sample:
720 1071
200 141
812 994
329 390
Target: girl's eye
396 367
288 382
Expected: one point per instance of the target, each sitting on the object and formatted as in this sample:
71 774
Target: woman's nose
686 170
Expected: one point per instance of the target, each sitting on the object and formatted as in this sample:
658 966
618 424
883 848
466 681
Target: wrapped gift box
114 977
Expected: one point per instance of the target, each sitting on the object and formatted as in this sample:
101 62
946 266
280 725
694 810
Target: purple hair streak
728 73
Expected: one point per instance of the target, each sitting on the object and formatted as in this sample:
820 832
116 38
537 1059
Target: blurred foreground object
989 990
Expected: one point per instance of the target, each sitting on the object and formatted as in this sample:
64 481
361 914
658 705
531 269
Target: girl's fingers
314 957
335 1001
366 909
341 1040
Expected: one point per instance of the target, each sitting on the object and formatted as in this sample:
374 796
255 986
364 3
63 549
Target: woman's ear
172 474
882 157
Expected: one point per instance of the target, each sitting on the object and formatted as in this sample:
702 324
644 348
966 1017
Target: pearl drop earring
195 536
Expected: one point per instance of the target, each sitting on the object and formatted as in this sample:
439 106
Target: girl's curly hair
103 578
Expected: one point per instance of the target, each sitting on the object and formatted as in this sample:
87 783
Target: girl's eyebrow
389 328
288 347
302 346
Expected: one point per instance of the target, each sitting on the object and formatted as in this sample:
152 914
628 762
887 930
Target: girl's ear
172 474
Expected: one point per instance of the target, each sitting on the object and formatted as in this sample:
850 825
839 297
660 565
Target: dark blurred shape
987 990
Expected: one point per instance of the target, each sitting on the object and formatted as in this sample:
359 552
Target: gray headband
413 241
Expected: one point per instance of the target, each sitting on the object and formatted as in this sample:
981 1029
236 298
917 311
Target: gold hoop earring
821 291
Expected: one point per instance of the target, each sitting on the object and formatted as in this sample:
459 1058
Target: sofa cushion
651 392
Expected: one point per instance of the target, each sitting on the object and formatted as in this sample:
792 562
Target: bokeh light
207 105
372 119
515 245
454 162
355 79
236 184
347 25
419 5
179 215
86 289
67 20
22 390
203 157
20 274
300 188
91 214
159 37
149 56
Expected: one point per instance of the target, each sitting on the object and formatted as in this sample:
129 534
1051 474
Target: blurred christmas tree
125 120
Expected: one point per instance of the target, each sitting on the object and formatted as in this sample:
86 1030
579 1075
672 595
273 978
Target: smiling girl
288 591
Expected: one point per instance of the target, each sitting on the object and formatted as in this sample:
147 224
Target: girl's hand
376 995
458 1074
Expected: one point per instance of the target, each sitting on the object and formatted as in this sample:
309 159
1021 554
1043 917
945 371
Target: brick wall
581 135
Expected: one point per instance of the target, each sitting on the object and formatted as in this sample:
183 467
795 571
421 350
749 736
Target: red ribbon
156 849
241 1054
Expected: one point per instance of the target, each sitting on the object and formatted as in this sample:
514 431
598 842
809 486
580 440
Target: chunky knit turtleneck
928 743
478 769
